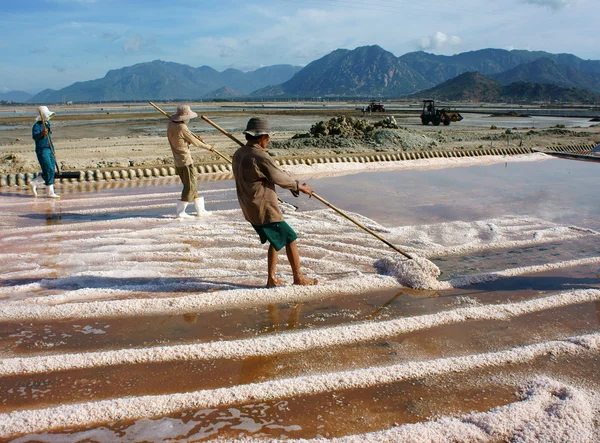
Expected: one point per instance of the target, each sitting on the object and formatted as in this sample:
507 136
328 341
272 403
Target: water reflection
256 369
275 319
190 318
53 212
414 293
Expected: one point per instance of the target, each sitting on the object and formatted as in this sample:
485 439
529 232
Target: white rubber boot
33 184
51 193
199 204
181 205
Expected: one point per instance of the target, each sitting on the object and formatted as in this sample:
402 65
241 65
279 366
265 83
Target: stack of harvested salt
418 273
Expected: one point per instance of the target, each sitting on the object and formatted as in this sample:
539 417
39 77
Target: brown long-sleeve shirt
180 139
255 178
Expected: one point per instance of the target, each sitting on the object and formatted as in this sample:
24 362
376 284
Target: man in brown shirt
255 178
180 139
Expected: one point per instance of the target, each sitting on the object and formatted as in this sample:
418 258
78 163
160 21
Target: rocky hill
547 71
15 96
538 92
439 68
470 86
368 71
371 71
475 87
159 80
223 93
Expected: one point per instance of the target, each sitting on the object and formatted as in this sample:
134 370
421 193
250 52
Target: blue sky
54 43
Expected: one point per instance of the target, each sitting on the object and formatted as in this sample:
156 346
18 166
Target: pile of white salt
418 273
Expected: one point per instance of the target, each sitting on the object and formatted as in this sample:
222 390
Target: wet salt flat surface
120 323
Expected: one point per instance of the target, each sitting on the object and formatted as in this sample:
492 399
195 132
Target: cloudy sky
54 43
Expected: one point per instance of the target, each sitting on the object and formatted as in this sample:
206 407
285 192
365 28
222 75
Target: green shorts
279 234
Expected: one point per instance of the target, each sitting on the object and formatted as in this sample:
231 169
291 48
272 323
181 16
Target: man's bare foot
306 281
274 282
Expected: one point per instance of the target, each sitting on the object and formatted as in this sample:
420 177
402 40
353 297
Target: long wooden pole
221 130
321 199
50 143
360 225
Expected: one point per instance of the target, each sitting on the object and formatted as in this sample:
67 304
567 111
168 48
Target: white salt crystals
418 273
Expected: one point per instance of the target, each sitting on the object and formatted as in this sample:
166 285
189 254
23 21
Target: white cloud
136 44
226 52
552 4
438 41
133 44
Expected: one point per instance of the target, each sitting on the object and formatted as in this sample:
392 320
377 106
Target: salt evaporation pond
119 323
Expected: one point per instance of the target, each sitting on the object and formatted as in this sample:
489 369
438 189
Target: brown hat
257 126
184 112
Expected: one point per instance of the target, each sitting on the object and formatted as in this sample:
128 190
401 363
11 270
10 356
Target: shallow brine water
121 323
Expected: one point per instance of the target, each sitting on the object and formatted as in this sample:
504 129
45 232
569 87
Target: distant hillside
160 80
547 71
224 92
370 71
537 92
439 68
15 96
472 86
367 72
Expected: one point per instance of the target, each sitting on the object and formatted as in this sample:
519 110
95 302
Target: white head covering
45 112
183 113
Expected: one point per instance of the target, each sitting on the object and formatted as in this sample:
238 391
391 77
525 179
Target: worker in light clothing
255 178
180 139
42 135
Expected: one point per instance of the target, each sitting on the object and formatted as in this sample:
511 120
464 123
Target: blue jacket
41 141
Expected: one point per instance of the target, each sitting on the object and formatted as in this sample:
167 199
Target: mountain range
159 80
475 87
15 96
372 71
366 72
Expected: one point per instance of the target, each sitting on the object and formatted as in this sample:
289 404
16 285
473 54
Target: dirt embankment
140 141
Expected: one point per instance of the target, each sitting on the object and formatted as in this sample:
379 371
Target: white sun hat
184 112
45 112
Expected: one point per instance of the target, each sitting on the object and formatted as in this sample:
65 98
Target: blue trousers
47 163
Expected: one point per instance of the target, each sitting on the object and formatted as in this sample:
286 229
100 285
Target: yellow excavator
434 115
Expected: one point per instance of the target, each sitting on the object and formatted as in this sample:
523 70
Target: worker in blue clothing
44 150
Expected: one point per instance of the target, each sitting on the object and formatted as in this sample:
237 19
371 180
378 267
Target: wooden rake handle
221 130
315 195
360 225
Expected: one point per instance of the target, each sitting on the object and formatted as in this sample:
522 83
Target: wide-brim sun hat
45 112
184 112
257 126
